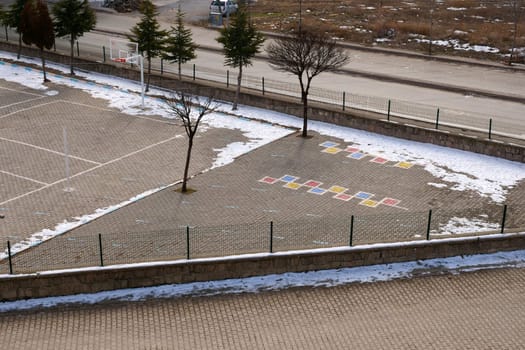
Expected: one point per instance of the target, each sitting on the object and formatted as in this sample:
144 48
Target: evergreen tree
36 28
241 41
13 20
148 35
179 46
73 18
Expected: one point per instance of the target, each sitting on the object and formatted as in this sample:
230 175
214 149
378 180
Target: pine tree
148 35
179 46
73 18
36 27
241 41
13 20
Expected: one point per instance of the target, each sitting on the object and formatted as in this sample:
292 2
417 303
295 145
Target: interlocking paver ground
115 157
481 310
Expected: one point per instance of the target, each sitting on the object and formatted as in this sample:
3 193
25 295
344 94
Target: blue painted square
363 195
317 190
288 178
328 144
357 155
2 63
29 69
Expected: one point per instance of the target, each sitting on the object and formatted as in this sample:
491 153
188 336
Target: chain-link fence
432 116
191 242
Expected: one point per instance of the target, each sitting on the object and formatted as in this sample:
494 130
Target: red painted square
343 196
268 180
379 160
351 149
390 201
312 183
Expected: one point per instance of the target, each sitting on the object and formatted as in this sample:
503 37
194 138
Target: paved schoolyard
306 186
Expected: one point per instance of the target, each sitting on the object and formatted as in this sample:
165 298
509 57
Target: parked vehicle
224 7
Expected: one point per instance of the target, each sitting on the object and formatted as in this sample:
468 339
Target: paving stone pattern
481 310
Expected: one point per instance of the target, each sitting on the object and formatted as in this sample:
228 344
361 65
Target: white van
224 7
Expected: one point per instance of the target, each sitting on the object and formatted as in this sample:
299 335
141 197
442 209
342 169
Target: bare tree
516 7
190 109
306 55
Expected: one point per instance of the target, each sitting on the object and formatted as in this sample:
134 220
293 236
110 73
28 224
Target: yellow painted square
332 150
292 185
369 203
337 189
404 165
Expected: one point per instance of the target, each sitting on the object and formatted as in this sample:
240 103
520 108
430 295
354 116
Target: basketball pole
141 60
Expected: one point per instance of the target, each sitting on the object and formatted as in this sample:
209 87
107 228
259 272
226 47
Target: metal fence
190 242
391 109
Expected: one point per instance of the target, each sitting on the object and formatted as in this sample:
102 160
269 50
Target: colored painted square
312 183
369 203
268 180
351 149
328 144
332 150
404 165
379 160
390 201
363 195
29 69
288 178
292 185
356 155
337 189
317 190
343 196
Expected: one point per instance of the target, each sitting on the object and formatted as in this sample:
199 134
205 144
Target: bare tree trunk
43 64
72 43
187 166
516 17
239 79
180 75
19 46
304 98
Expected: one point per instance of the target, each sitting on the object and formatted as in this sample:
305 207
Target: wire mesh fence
191 242
433 116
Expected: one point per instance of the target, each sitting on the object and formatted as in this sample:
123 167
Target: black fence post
161 66
100 249
428 224
344 100
351 231
263 85
388 112
9 256
6 34
490 128
188 242
271 236
194 71
78 49
227 78
104 54
504 218
437 119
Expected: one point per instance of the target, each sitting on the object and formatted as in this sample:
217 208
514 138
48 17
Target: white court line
25 101
27 109
49 150
20 91
89 170
23 177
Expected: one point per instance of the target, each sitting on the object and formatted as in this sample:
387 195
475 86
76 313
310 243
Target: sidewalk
480 310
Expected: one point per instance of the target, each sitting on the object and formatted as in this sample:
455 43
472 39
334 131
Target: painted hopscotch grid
338 192
357 154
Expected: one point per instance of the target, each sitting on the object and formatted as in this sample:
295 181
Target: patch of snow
464 225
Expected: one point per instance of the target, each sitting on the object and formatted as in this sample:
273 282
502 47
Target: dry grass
482 22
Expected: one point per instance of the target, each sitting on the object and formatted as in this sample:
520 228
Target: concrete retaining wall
363 120
110 278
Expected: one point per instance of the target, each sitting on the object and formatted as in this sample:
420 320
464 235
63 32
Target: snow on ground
325 278
488 176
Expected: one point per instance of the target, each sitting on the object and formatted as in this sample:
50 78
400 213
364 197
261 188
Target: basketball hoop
120 60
